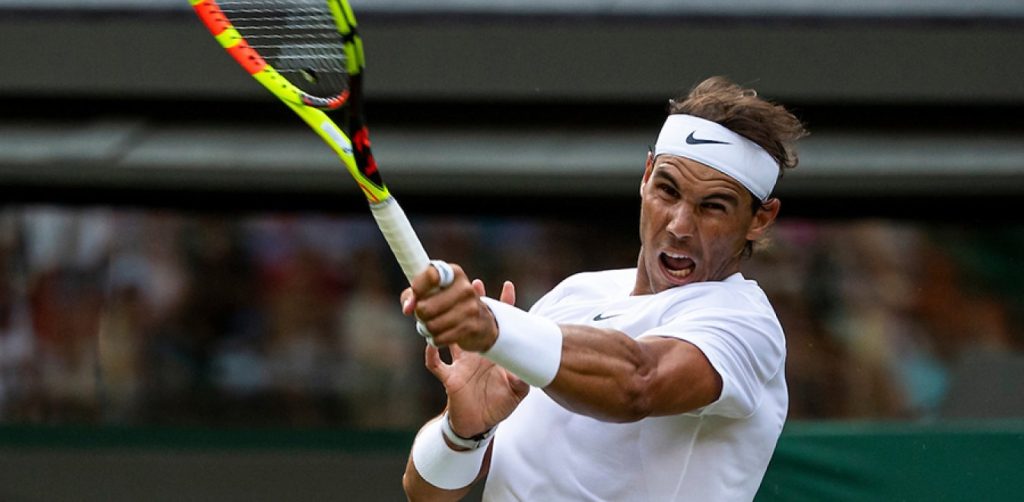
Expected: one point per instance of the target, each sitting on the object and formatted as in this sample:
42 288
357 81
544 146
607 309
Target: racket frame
390 217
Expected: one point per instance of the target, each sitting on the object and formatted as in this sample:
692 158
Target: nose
682 224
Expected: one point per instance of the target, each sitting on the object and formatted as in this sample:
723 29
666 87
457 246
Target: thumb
456 351
519 387
433 362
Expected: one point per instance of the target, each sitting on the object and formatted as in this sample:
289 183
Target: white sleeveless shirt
720 452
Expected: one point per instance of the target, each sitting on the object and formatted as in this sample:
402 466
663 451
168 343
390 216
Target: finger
478 286
508 293
425 282
433 362
437 303
445 273
422 329
452 325
436 277
408 300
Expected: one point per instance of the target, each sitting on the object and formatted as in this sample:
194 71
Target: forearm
607 375
445 463
596 372
604 374
418 489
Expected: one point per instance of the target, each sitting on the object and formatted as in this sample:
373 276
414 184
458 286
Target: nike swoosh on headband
690 140
730 153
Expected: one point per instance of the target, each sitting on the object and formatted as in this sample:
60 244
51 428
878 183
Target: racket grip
400 236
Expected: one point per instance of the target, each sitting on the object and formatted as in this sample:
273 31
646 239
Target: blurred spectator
18 382
66 254
384 379
154 317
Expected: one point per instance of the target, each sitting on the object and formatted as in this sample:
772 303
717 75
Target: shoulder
610 280
732 323
597 285
735 293
590 286
734 307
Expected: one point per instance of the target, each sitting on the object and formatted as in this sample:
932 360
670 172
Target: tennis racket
309 54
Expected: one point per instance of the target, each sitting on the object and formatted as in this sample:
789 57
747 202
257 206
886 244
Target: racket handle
400 236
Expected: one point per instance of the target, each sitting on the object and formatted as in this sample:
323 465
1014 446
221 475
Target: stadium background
196 304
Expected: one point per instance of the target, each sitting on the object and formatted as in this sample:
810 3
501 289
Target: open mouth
678 266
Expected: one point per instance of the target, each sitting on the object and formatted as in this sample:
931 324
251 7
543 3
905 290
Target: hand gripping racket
309 54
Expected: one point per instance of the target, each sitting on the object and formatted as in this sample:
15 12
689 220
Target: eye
667 190
714 206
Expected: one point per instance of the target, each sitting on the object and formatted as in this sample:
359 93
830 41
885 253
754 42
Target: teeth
677 273
680 273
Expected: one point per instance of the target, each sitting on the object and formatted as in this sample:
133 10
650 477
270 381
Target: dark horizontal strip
356 441
106 437
621 212
773 15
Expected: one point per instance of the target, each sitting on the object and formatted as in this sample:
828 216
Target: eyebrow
720 195
725 197
665 177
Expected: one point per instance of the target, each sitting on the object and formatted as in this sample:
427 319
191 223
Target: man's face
694 223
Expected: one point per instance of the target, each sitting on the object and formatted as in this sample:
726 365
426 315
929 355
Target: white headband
717 147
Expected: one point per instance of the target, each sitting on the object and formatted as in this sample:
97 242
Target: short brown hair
743 112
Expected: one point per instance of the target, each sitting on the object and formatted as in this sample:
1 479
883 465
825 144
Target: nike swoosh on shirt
690 140
602 317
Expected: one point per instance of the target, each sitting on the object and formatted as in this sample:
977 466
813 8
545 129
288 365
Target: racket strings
298 38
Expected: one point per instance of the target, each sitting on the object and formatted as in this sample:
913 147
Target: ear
763 218
648 168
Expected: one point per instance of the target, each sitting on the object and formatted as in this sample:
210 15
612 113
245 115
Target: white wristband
528 345
440 465
471 443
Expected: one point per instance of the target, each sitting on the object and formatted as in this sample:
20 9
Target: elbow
621 388
636 388
631 397
636 402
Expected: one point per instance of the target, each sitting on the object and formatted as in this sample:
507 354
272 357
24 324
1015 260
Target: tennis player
663 382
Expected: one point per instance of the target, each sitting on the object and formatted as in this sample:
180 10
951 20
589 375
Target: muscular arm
602 373
609 376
